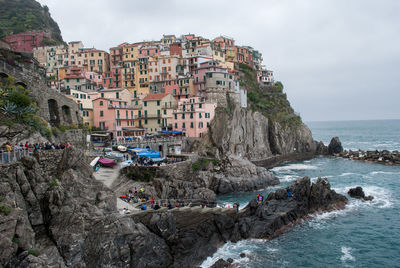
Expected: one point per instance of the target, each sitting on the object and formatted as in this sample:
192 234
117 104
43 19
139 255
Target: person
289 193
144 207
260 199
152 200
156 206
169 205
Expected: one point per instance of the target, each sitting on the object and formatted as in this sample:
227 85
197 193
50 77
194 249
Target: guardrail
7 157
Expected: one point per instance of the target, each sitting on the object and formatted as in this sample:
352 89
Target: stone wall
55 107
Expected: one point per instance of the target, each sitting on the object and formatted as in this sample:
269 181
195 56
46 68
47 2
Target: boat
95 163
121 148
126 163
150 154
114 155
105 162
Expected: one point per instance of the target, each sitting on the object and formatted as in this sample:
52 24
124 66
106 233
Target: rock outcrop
358 193
57 215
54 214
194 234
335 146
250 134
380 157
197 179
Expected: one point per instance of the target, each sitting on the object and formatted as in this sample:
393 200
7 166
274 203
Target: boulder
358 193
221 263
335 146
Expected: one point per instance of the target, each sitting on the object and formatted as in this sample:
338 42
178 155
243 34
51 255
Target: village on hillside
172 85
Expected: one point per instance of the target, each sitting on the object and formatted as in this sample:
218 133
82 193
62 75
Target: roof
155 96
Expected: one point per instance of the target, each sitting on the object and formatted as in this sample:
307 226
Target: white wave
383 172
347 255
232 250
294 167
383 198
347 174
287 178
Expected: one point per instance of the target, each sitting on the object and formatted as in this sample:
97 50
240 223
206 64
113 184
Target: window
158 121
102 95
145 103
101 103
118 133
158 112
183 125
191 115
101 113
117 95
145 121
176 125
176 116
191 125
199 115
158 103
145 113
183 116
165 112
200 124
208 124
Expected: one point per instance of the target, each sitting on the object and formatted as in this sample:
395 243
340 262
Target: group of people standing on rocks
13 152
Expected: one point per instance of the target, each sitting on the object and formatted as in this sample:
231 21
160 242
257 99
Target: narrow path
107 176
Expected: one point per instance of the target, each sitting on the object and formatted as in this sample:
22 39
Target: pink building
114 111
193 116
199 73
27 41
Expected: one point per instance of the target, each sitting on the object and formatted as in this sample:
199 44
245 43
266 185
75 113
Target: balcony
149 116
134 107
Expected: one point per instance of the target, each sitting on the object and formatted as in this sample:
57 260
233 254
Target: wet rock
221 263
335 146
242 255
358 193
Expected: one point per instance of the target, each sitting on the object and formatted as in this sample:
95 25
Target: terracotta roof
155 96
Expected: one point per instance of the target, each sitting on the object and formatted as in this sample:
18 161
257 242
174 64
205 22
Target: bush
53 183
19 96
33 251
5 209
201 164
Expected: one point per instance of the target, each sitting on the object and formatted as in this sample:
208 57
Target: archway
66 114
22 84
53 112
3 75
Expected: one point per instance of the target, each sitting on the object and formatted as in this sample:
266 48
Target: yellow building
158 112
98 61
84 101
129 57
142 76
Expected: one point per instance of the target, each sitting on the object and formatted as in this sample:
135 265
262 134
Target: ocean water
364 234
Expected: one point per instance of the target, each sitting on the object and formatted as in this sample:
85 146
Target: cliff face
54 214
250 134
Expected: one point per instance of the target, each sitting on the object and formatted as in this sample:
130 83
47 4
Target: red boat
105 162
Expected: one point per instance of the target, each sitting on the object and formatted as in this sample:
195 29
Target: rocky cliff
250 134
54 214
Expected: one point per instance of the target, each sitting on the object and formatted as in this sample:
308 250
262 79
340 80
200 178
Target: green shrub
5 209
53 183
33 251
15 240
202 163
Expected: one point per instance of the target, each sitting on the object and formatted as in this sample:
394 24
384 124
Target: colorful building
157 112
27 41
193 116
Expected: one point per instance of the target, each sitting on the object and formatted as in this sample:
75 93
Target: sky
337 59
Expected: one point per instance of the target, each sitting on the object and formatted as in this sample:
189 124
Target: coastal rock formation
250 134
335 146
380 157
358 193
54 214
200 178
192 234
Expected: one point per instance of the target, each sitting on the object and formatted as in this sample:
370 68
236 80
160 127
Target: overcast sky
338 59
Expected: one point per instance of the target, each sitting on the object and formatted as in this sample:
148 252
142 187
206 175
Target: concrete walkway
107 176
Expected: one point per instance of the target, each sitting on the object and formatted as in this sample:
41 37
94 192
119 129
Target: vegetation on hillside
18 16
16 106
270 101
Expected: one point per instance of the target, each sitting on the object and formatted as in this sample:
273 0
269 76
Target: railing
13 156
149 140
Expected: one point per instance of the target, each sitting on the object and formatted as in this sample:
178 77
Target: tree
279 85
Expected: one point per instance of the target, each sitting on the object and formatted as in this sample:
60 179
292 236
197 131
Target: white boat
126 163
121 148
95 163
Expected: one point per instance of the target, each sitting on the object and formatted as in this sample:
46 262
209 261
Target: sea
364 234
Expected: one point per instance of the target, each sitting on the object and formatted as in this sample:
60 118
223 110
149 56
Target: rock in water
335 146
221 263
358 193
